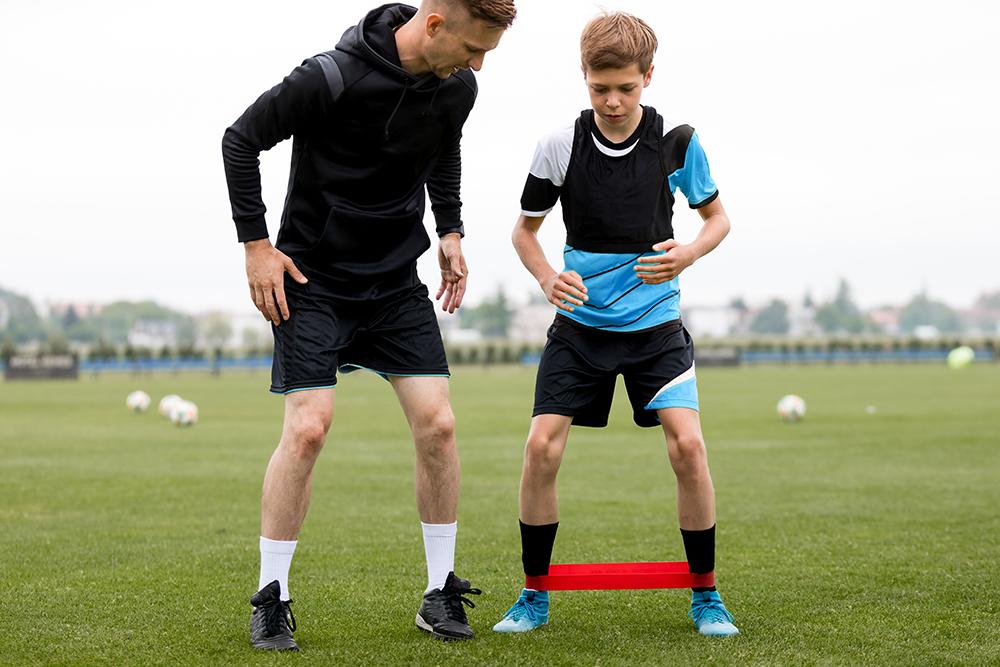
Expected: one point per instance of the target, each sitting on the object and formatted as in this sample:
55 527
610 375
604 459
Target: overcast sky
857 139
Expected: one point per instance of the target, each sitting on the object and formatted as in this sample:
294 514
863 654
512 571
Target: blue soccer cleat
529 612
710 616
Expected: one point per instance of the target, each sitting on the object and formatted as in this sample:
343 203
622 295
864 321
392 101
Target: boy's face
615 95
458 42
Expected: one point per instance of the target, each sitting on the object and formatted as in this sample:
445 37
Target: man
373 122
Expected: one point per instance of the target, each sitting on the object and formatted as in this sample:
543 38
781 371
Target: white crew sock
275 561
439 548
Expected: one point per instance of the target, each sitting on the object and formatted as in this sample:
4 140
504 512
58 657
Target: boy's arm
561 289
677 257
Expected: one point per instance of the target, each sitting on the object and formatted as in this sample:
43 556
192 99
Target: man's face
458 42
615 94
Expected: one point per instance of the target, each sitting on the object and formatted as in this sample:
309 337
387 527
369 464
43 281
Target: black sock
536 547
699 545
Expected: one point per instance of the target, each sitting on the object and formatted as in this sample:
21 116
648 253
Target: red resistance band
618 576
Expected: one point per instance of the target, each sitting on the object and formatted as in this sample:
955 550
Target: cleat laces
710 611
522 609
277 617
452 603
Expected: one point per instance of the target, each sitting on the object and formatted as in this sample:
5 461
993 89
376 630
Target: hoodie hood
373 40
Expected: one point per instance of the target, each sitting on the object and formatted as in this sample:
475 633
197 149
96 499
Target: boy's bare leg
689 460
539 502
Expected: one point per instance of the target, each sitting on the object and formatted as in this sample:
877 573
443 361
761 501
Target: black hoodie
368 137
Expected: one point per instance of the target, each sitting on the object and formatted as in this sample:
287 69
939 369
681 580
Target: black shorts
580 365
397 336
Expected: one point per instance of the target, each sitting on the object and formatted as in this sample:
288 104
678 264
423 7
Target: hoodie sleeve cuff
460 230
251 230
449 222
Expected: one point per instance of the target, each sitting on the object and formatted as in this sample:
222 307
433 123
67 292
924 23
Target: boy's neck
618 134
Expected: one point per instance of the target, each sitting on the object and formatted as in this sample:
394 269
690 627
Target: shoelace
710 611
455 598
278 616
523 608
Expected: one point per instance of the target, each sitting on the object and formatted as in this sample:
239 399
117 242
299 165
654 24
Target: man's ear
433 24
647 77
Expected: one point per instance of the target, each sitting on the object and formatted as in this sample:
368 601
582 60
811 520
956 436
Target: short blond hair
613 41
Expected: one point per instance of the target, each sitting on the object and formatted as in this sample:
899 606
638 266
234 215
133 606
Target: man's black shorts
580 365
396 336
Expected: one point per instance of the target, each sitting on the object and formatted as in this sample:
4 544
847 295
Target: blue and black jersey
617 201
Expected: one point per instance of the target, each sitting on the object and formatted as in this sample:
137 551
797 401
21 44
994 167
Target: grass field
847 539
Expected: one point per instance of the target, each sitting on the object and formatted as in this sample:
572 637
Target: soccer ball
791 408
961 357
167 404
184 413
137 401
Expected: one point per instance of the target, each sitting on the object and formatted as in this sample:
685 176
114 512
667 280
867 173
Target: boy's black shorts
397 336
580 365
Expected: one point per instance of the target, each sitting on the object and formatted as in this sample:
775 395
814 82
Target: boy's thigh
659 373
576 375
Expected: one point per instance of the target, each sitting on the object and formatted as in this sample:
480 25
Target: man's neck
408 46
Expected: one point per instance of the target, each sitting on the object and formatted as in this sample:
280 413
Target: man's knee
436 428
304 437
543 453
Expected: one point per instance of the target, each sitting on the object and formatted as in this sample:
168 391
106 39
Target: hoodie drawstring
430 109
393 114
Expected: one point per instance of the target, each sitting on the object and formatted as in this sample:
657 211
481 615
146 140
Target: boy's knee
687 450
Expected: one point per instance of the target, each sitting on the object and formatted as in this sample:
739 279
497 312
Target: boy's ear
647 77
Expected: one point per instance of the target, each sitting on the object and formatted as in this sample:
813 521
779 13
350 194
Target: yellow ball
961 357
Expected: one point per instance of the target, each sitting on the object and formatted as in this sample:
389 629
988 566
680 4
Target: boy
615 171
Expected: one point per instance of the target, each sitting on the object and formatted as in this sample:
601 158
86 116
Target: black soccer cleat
442 612
272 622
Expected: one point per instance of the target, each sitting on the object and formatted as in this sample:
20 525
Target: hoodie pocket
356 238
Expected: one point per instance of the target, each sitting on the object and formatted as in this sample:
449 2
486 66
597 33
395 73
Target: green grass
847 539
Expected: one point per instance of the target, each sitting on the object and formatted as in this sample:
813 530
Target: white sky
857 139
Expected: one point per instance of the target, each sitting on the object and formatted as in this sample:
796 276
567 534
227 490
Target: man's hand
454 272
266 267
564 287
658 269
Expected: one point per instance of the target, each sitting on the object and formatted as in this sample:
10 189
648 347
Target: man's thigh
401 339
308 345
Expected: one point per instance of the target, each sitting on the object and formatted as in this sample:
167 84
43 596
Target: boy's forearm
529 250
714 229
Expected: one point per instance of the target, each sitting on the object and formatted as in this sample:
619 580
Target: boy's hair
497 13
617 40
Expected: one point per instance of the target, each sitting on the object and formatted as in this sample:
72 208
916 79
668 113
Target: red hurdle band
618 576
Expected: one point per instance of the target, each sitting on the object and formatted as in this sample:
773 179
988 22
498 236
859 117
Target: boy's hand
564 287
658 269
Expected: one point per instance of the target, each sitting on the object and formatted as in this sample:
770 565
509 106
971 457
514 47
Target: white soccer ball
791 408
167 403
184 413
137 401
